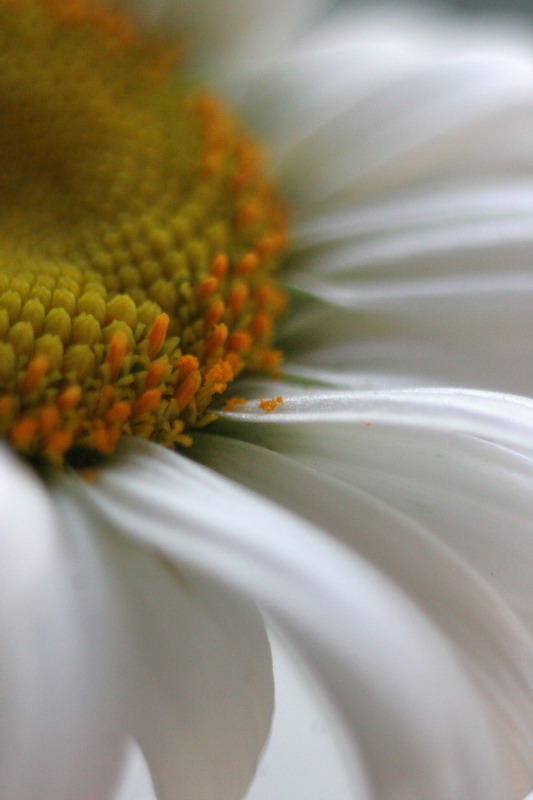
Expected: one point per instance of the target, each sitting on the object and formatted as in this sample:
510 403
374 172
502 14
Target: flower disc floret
138 236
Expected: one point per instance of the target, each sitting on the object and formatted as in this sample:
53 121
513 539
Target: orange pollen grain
268 406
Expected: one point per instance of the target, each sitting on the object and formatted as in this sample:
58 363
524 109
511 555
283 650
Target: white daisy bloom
360 506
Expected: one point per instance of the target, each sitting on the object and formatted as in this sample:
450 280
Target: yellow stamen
138 236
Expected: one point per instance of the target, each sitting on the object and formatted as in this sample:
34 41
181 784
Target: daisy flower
172 475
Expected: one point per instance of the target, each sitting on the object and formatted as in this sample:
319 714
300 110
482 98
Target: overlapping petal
195 676
432 487
411 265
394 685
404 142
61 735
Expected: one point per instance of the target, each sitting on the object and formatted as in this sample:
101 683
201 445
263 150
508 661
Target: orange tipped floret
214 313
23 432
261 326
187 365
237 299
206 287
186 390
157 372
58 443
35 372
217 339
219 267
147 402
116 352
119 412
69 398
48 418
157 334
239 341
248 264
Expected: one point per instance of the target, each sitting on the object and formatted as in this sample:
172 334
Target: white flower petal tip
412 718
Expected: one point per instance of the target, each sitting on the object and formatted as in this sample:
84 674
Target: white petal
198 682
480 338
398 137
59 737
303 757
434 488
394 685
433 287
381 100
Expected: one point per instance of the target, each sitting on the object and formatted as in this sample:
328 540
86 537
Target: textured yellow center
137 237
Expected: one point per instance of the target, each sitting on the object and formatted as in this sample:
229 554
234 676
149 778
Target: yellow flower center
138 237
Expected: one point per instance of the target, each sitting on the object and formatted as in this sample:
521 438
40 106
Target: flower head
376 511
138 243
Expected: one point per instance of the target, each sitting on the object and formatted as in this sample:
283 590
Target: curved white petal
198 677
404 142
478 335
59 733
380 100
393 682
433 287
434 488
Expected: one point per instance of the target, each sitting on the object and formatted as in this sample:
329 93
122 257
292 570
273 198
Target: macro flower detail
138 243
367 507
